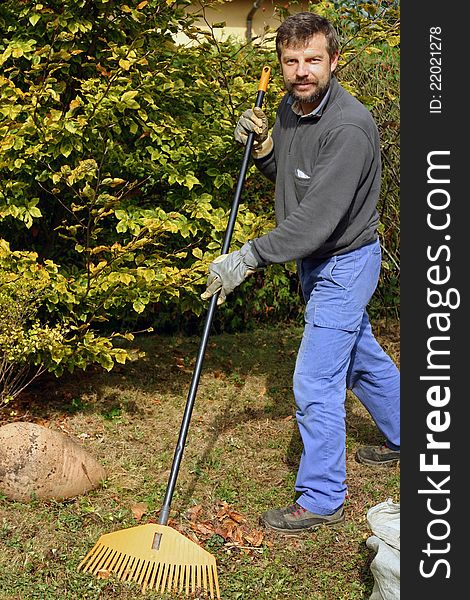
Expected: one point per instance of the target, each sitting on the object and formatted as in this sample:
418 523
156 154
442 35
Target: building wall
235 13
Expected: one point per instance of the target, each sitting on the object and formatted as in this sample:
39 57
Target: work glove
254 120
227 271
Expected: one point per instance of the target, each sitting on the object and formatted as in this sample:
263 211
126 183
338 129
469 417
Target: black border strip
434 327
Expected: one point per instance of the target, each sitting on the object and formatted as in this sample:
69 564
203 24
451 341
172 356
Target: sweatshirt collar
318 111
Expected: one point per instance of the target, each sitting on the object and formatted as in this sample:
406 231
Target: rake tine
127 566
100 561
216 581
187 576
166 568
158 576
90 553
117 564
156 568
176 578
123 566
109 559
90 558
211 586
96 558
139 577
145 576
158 580
133 568
116 559
199 576
141 573
169 582
140 567
181 578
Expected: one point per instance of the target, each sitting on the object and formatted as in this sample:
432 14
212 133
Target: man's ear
334 61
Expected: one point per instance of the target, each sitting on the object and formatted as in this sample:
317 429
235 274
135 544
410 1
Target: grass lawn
241 459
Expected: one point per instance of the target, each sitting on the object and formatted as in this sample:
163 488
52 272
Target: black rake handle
165 510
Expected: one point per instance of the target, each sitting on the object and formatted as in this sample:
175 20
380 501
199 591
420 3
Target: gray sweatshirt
326 168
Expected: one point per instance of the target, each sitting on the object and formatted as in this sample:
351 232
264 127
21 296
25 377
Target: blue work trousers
339 351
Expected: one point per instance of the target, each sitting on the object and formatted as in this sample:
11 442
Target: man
324 157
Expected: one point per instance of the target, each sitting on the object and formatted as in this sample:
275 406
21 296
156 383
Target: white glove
254 120
228 271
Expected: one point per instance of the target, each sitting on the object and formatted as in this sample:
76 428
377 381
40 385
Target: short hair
297 29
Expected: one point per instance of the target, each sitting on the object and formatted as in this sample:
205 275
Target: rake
156 556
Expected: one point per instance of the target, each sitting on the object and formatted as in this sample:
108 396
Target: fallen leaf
194 512
223 532
255 538
138 510
226 511
237 517
180 364
205 529
103 574
237 537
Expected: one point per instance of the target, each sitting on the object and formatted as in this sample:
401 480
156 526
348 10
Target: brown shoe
295 519
377 456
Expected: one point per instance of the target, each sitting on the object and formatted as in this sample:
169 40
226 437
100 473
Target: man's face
307 70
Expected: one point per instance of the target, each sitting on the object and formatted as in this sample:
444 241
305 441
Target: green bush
117 168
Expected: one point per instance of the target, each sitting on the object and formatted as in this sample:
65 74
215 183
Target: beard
320 91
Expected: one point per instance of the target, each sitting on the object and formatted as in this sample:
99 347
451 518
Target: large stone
37 462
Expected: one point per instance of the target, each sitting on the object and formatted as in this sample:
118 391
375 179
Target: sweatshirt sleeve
345 158
267 166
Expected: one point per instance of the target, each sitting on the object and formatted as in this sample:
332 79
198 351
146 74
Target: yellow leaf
98 249
121 356
34 18
129 95
138 306
124 64
126 278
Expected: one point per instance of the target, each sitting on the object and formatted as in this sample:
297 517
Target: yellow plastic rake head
156 557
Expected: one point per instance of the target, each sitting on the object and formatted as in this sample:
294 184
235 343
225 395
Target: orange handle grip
264 79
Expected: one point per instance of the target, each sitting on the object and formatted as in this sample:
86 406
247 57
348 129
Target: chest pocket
301 183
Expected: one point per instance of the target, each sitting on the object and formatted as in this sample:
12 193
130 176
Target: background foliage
117 168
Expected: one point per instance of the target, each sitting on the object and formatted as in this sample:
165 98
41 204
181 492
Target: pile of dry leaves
228 524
